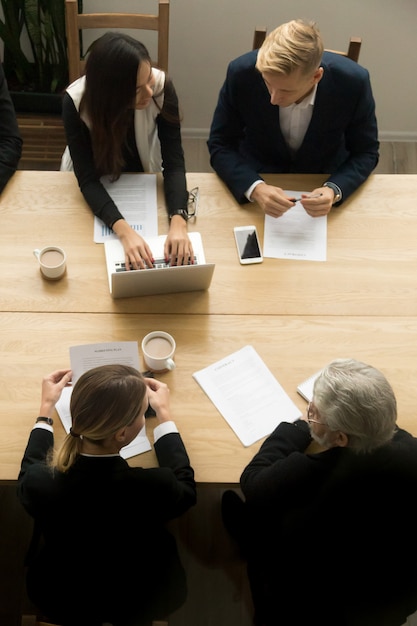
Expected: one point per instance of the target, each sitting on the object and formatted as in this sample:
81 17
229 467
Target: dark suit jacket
106 552
341 141
10 139
331 536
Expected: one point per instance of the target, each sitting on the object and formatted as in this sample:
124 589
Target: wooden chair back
353 50
76 22
258 37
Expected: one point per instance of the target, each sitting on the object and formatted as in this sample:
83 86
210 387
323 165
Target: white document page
295 235
305 389
135 197
84 358
247 395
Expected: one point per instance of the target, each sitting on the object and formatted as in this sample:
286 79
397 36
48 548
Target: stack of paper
305 388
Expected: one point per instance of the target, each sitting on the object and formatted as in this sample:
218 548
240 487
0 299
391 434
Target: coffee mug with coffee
52 262
158 350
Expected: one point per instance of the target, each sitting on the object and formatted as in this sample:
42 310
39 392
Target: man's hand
319 205
275 203
272 200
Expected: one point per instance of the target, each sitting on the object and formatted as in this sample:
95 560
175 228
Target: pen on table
317 195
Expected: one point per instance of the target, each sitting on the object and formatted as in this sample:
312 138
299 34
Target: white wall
206 34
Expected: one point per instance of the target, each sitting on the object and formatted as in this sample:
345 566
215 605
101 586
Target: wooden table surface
293 348
371 250
360 303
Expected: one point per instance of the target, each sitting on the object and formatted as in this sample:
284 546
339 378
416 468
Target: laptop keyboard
158 264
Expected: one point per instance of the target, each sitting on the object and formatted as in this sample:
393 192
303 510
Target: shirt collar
308 100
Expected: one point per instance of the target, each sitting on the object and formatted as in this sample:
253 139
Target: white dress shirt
294 121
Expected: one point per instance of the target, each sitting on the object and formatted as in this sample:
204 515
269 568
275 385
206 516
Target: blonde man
290 107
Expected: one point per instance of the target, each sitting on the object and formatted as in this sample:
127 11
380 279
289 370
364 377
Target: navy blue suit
341 141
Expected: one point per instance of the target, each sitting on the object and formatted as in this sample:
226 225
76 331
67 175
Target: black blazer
173 164
341 141
10 139
105 549
331 536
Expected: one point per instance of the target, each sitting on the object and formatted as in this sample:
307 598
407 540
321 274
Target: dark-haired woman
122 116
104 553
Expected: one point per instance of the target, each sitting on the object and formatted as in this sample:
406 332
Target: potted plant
35 84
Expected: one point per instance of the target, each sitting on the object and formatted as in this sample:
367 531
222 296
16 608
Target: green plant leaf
44 21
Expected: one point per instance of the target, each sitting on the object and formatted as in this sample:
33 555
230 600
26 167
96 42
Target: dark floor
218 589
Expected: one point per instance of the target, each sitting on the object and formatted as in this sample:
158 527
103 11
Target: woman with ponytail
101 551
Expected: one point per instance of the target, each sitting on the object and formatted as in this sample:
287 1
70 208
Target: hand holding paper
84 358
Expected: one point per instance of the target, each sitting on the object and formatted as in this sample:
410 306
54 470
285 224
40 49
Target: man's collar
310 99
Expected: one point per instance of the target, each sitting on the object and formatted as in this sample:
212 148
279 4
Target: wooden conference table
361 302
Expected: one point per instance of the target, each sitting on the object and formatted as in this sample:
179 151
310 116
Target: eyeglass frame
193 202
310 420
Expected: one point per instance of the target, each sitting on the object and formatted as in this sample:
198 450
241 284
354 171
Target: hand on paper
275 203
52 386
272 200
178 246
137 251
158 396
319 205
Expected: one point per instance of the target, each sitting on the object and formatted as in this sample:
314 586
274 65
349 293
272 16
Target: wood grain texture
293 348
371 249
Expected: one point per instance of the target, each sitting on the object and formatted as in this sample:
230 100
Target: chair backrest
258 37
353 50
77 22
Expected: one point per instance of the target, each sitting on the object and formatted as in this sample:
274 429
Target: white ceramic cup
52 261
158 350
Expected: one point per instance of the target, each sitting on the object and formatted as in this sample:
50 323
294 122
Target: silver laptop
160 279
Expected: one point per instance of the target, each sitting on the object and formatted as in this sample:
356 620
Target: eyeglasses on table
192 204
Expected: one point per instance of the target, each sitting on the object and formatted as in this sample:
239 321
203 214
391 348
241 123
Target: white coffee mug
52 261
158 350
